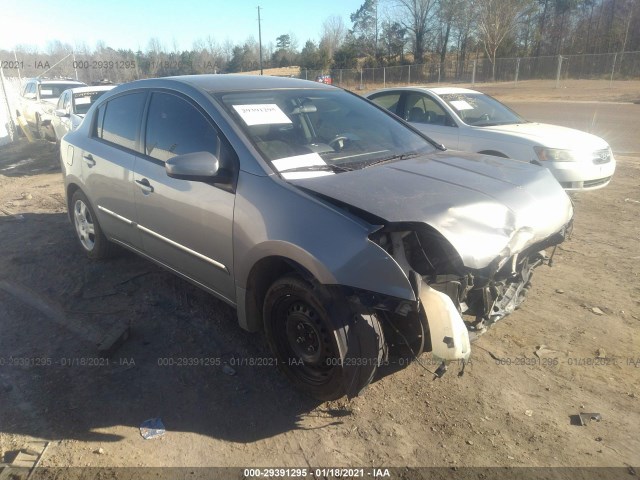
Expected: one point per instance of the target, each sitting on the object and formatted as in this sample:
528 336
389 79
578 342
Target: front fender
274 218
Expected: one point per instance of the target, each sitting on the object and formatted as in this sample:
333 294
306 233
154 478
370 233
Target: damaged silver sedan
339 230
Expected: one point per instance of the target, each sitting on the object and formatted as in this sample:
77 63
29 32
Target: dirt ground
574 347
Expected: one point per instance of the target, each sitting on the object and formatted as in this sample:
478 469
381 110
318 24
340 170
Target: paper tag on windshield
461 105
298 161
82 100
44 91
261 114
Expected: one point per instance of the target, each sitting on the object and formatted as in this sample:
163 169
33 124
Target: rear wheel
305 327
88 231
40 132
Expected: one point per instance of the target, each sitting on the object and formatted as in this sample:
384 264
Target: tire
88 232
323 347
39 131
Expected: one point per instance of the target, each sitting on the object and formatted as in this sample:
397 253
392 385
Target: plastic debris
586 417
152 428
597 311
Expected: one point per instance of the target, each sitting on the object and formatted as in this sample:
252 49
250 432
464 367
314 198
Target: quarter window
119 120
175 127
387 100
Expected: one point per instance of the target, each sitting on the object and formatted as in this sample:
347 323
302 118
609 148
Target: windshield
481 110
54 90
82 101
315 130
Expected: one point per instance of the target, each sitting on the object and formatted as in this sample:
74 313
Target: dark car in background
340 231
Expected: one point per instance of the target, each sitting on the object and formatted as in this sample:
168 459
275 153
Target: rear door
107 167
186 225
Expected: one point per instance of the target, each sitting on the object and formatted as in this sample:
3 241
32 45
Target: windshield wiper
399 156
317 168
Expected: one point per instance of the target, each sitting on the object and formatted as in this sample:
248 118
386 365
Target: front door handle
88 159
144 185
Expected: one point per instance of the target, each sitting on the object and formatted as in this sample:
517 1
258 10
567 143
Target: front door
186 225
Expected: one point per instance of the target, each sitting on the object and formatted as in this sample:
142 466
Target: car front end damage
457 303
466 232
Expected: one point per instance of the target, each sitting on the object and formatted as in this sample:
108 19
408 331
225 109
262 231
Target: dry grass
526 90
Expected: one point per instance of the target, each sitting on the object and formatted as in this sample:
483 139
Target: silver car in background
344 234
468 120
72 106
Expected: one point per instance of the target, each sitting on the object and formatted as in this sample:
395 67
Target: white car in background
38 98
463 119
72 107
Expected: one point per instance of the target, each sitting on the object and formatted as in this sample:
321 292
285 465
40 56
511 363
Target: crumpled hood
552 136
484 206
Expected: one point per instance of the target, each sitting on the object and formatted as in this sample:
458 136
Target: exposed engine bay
458 303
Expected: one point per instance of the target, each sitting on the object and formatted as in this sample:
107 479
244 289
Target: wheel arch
262 275
71 189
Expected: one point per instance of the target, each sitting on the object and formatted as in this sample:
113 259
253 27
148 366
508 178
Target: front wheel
324 348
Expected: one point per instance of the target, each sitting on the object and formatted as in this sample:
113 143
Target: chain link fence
608 66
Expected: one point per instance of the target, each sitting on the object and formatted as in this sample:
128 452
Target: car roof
97 88
231 82
436 90
56 82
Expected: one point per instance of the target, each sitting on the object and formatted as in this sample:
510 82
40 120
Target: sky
131 24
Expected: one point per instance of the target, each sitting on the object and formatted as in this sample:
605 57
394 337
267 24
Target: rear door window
121 119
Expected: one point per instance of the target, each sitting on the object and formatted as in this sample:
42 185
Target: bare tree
333 33
496 20
414 15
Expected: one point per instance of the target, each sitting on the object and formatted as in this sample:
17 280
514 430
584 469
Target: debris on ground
528 413
227 370
587 417
152 428
597 311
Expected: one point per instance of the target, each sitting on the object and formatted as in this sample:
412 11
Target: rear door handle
88 159
144 185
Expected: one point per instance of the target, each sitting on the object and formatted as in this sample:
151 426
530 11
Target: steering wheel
339 140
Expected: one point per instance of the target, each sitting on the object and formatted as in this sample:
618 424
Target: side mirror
60 112
198 166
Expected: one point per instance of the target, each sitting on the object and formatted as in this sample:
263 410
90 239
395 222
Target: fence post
473 74
384 77
305 74
409 82
438 74
559 71
11 126
361 85
613 69
340 76
517 70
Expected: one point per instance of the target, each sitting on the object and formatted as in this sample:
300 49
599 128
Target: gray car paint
269 216
478 203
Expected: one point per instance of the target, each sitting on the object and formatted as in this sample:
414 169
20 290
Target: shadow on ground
56 305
